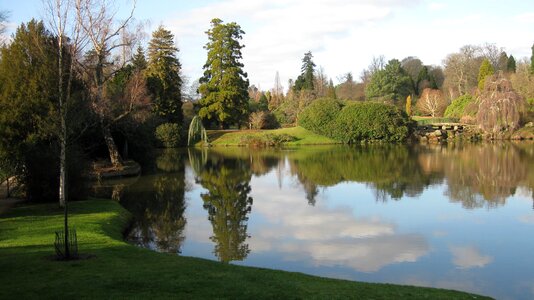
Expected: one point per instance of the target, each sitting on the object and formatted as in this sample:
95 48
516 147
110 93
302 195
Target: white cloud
525 17
436 6
467 257
527 219
458 21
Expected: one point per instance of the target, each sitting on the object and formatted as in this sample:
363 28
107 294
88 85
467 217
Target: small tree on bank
486 69
432 102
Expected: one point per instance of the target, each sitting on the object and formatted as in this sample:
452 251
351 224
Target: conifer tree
306 77
139 61
511 65
224 85
163 75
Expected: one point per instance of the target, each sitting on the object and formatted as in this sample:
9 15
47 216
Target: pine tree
306 77
511 66
224 85
139 61
163 75
486 69
331 92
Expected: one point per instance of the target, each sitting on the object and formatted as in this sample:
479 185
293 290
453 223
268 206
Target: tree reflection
484 175
228 203
157 203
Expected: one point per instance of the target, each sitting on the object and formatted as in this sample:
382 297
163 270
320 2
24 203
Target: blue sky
343 35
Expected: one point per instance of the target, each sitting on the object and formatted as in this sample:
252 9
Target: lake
448 216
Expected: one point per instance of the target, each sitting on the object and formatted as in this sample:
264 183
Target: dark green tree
28 109
390 83
163 76
224 85
139 60
502 63
306 77
511 65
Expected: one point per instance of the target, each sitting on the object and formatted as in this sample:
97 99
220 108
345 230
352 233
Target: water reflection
440 215
228 202
157 203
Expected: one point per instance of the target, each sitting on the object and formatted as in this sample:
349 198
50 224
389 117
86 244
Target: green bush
169 134
371 121
457 108
318 116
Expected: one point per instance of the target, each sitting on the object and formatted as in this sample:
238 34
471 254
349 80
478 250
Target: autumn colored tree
409 105
224 84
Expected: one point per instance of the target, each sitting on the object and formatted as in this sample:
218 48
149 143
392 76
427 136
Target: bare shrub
432 102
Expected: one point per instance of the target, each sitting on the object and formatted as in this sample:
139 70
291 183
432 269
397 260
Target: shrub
263 120
169 134
318 117
371 121
457 108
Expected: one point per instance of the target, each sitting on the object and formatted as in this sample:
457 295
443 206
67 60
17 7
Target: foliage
409 105
370 121
169 134
457 108
306 79
302 137
486 69
432 121
500 106
391 83
263 120
163 76
511 64
196 132
318 116
224 85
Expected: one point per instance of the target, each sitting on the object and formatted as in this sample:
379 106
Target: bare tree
277 94
377 64
106 36
461 70
432 102
321 82
500 106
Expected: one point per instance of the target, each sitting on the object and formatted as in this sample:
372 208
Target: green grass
236 138
120 270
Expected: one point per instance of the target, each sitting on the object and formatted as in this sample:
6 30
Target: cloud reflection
467 257
329 236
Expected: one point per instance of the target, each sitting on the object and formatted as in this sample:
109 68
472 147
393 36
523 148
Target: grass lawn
235 137
120 270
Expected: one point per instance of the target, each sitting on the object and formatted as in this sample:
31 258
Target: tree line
80 87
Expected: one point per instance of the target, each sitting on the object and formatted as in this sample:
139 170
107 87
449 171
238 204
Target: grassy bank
120 270
239 137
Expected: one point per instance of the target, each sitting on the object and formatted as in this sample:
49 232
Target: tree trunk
114 155
63 165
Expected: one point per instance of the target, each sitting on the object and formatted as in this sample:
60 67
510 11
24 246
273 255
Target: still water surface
458 217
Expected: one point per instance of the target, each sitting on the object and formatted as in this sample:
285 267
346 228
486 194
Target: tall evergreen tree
306 77
163 76
532 60
511 65
224 85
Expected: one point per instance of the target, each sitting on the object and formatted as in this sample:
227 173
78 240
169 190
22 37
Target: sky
343 35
